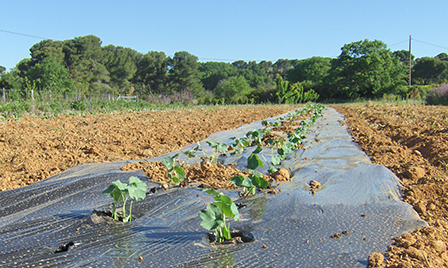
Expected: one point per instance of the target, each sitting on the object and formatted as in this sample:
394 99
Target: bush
438 95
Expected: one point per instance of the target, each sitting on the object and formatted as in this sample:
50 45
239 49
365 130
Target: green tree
281 66
2 69
366 69
442 56
184 73
10 79
121 63
213 72
50 75
84 58
47 49
152 73
314 69
427 70
233 90
403 56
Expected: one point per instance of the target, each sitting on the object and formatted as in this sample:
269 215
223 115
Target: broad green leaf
109 190
281 153
235 211
211 191
213 144
276 160
118 195
180 172
212 217
137 182
258 181
222 148
247 182
237 180
119 185
257 150
137 193
253 162
272 169
168 162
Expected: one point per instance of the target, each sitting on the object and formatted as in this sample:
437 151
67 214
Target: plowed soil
33 149
412 141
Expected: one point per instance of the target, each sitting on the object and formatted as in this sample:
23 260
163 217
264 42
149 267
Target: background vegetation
82 69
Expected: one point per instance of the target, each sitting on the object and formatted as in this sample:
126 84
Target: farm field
409 140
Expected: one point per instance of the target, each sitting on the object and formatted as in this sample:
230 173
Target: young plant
214 216
175 173
239 145
256 136
250 183
190 154
136 189
220 148
255 180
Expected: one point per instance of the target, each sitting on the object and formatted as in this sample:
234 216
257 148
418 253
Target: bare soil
33 149
412 141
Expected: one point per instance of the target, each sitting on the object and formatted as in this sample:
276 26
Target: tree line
364 69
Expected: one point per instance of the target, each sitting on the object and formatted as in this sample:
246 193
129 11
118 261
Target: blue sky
227 30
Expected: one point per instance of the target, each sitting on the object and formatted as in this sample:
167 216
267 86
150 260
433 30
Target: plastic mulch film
356 211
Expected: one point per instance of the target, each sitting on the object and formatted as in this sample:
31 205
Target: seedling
255 180
175 173
214 216
250 183
239 145
255 136
136 189
220 148
190 154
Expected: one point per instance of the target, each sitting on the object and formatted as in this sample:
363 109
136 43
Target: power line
22 34
401 42
429 43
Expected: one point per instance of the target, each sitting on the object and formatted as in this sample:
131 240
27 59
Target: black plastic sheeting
50 223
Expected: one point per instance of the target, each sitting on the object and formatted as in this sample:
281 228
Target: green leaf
168 162
272 169
254 162
222 148
258 181
212 217
136 189
237 180
119 185
235 211
211 191
257 150
213 144
190 153
224 203
180 172
276 160
247 182
109 190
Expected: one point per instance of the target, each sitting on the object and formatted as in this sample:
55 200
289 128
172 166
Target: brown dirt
412 141
34 149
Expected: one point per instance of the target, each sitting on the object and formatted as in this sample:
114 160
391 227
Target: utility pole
410 61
